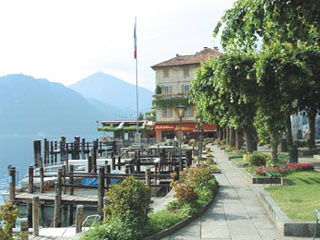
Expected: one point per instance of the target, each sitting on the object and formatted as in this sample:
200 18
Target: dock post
176 169
79 218
30 185
94 155
77 147
41 179
107 174
127 167
51 152
119 163
29 209
189 157
62 149
83 148
131 168
64 179
148 177
35 215
12 183
55 153
71 180
138 162
113 163
57 201
24 228
100 190
37 151
46 151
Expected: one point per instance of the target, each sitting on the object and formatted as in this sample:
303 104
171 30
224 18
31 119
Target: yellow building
173 79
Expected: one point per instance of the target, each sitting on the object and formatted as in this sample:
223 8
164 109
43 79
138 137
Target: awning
209 127
186 127
164 127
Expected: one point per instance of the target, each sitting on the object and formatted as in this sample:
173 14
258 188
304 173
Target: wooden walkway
47 198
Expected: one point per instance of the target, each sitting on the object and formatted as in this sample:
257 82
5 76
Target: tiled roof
179 60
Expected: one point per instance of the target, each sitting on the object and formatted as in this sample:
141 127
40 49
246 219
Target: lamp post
199 120
180 110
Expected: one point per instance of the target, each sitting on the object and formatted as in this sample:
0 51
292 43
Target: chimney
216 48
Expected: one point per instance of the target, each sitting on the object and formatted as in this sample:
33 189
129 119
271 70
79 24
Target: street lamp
180 110
199 120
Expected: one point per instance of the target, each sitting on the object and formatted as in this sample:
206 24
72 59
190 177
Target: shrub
257 159
299 167
262 170
129 200
184 192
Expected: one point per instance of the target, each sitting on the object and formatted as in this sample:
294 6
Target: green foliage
151 115
140 116
129 201
170 102
258 159
125 128
158 89
8 214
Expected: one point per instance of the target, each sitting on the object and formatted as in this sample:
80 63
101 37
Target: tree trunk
292 151
239 138
274 146
232 137
311 136
227 136
251 143
221 136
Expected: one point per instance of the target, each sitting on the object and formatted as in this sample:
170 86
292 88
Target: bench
317 215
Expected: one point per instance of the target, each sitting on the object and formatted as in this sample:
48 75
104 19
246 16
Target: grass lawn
230 154
239 160
299 200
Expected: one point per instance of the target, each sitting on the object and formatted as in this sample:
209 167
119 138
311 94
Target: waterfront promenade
236 214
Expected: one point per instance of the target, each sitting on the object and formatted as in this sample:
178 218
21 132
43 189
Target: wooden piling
12 183
79 218
119 163
107 172
55 153
127 168
100 190
57 201
83 148
30 177
41 170
64 179
138 162
189 157
148 177
37 151
89 164
35 215
62 149
71 181
46 151
77 147
113 163
51 152
176 170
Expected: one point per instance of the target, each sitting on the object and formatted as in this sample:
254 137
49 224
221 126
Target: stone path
236 214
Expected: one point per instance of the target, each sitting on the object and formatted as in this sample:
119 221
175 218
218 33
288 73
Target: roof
197 58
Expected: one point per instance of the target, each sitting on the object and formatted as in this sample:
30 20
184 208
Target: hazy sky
67 40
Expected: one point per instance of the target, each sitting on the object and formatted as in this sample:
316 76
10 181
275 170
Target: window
165 73
167 90
166 112
186 88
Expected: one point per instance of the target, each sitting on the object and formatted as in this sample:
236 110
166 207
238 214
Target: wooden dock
48 198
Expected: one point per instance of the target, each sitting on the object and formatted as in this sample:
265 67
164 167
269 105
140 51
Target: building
173 78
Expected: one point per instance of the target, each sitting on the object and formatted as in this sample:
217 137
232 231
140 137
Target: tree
150 115
140 116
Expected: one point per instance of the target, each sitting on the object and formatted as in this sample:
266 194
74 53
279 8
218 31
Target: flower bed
284 169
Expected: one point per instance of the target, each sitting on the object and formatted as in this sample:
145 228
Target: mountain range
30 106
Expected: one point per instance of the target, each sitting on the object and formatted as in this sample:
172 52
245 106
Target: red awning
186 127
164 127
209 127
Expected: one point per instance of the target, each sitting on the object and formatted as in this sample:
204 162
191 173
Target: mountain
30 106
113 91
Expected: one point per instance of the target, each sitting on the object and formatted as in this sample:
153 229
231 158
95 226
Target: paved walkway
236 214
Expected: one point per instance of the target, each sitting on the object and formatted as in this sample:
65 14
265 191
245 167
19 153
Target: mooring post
41 179
77 147
127 168
138 161
94 155
89 163
148 177
46 152
64 171
29 209
71 180
12 183
24 228
55 152
79 218
119 163
189 157
100 190
35 215
176 170
30 177
37 151
51 152
57 201
113 163
131 168
107 174
105 202
62 149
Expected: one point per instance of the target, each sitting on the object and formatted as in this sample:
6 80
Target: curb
179 225
283 223
263 180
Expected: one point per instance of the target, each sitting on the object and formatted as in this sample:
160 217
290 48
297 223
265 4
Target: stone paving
236 214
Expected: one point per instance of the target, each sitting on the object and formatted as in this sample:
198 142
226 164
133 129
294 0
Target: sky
67 40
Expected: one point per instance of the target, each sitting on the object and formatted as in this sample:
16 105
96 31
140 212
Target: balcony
169 96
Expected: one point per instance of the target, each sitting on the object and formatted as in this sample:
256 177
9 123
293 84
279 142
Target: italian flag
135 38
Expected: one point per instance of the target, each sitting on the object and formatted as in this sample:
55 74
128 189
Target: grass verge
298 200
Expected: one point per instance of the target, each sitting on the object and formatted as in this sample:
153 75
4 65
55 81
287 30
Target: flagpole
136 57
